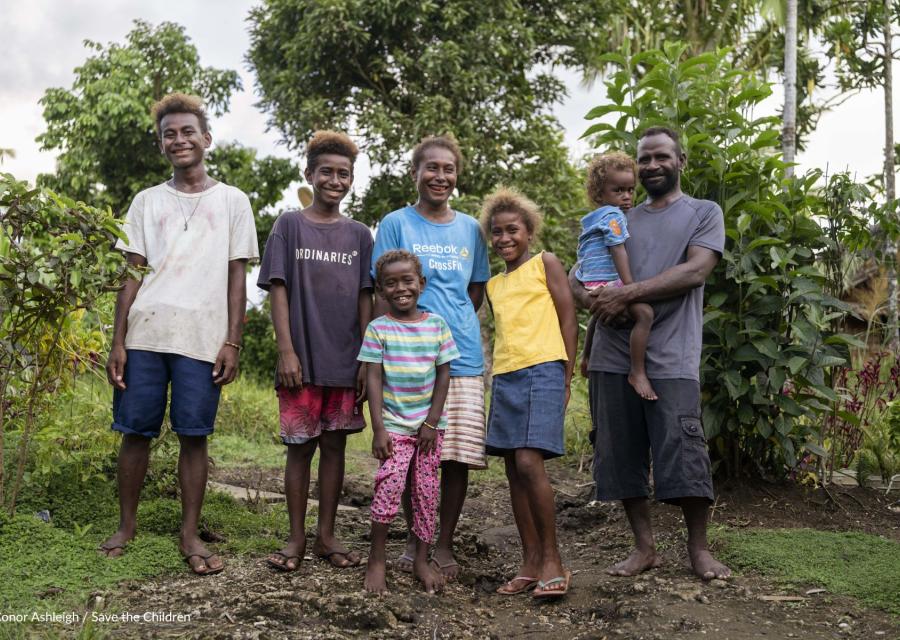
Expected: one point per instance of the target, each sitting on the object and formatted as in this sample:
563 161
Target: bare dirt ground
249 600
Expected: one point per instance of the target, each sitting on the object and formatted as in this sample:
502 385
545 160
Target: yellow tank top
525 321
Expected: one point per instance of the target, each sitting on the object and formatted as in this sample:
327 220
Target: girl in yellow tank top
534 357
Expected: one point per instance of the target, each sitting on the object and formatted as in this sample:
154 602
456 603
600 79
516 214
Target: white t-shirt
182 305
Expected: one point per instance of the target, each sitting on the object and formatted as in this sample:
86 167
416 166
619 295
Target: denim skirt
528 410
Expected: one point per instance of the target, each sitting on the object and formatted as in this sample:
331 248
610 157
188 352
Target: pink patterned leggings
390 480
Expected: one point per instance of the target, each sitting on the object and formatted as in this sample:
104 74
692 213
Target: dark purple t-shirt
324 266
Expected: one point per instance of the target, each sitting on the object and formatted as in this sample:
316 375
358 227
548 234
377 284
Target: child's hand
289 372
568 395
427 440
382 448
584 367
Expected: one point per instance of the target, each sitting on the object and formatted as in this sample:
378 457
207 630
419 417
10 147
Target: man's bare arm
582 296
610 302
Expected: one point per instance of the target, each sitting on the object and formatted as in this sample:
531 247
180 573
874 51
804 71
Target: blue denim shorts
528 410
141 407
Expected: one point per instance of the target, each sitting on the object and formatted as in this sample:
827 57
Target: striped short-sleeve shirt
409 353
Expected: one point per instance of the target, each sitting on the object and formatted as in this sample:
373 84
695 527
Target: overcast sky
42 44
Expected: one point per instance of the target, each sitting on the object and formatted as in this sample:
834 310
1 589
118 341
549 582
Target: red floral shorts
308 411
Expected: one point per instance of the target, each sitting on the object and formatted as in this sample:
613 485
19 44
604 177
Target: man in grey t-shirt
675 243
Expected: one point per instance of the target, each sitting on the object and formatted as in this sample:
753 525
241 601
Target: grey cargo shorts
629 430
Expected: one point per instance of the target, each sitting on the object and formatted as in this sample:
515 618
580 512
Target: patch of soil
357 490
249 600
834 508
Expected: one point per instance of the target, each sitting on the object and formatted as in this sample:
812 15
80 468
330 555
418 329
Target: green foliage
262 179
247 425
396 72
102 125
702 27
855 39
752 30
249 410
105 136
260 353
880 451
74 437
766 337
854 564
56 261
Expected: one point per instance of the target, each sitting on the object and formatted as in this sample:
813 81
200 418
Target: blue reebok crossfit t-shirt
453 255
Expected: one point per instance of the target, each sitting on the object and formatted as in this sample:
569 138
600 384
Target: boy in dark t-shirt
316 269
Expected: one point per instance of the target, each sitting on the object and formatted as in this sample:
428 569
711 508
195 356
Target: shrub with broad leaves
56 261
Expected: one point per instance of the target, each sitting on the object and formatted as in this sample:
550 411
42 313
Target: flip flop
283 566
440 567
405 558
205 559
508 590
540 594
329 558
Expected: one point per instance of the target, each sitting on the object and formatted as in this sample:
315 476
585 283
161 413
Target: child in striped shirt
409 352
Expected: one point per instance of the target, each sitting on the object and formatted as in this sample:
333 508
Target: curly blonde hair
508 199
599 169
179 103
325 141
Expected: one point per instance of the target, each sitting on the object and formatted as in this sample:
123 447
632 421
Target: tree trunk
789 114
890 250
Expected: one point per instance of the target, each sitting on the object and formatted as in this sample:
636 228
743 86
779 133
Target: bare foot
375 582
115 544
641 384
431 579
201 560
290 556
443 561
706 566
637 562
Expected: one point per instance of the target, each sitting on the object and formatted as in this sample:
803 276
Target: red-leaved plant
862 396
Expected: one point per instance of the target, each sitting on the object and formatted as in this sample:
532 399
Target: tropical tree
392 73
890 162
789 113
102 129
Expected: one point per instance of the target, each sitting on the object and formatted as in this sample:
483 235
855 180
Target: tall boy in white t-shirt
181 324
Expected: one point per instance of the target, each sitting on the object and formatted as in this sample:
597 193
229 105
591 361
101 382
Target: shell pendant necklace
196 204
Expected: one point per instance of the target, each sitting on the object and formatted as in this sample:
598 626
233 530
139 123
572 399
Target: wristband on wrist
430 426
234 344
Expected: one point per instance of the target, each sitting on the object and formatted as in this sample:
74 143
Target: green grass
231 450
36 556
860 565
